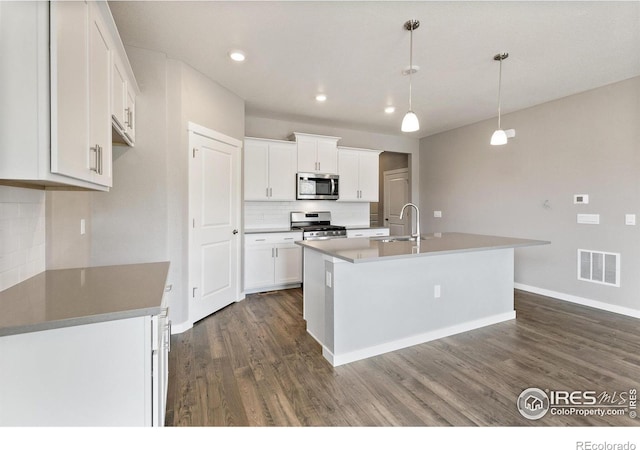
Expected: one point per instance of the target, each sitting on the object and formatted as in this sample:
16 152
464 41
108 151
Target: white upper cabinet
70 154
317 154
118 95
123 103
358 170
60 93
130 114
99 100
269 170
80 93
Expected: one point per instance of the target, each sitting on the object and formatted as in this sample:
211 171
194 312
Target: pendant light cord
499 92
410 64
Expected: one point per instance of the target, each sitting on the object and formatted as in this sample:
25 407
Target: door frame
407 171
195 129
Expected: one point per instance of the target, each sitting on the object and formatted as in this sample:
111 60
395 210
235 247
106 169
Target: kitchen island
364 297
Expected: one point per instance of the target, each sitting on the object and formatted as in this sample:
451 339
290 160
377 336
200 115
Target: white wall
22 234
584 144
144 217
129 223
192 97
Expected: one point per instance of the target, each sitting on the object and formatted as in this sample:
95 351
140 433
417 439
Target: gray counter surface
70 297
268 230
359 250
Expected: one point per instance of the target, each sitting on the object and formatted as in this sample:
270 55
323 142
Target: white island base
359 310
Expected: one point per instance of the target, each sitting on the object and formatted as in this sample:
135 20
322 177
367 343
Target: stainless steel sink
393 238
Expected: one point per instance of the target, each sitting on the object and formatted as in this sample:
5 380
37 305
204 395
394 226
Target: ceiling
354 52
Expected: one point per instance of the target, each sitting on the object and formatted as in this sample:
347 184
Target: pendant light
499 136
410 121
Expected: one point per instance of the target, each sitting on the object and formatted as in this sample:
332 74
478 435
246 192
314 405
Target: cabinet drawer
272 238
368 232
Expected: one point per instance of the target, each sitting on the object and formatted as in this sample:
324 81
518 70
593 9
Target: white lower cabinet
272 261
110 373
368 232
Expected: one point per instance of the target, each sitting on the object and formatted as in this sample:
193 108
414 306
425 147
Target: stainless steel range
316 225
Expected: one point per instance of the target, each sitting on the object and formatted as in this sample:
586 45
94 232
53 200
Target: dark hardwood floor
253 364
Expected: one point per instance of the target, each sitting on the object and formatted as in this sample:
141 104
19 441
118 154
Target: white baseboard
580 300
277 287
180 327
344 358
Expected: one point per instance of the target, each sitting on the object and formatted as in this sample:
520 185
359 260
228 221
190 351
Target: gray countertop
359 250
69 297
286 230
364 227
268 230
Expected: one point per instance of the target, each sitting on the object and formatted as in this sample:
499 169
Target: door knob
235 231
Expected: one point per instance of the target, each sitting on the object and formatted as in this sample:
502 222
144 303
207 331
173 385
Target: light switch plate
589 219
437 214
83 229
629 219
581 199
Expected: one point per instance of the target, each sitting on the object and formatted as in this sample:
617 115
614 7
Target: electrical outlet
436 291
83 229
629 219
437 214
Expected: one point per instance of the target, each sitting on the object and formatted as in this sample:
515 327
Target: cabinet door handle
99 159
126 117
270 192
94 149
276 252
272 252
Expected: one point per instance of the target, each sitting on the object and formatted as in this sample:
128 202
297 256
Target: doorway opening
393 193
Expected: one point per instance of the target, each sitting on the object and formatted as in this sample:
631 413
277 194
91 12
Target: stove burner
316 225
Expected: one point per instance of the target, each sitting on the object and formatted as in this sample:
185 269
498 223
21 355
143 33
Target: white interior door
214 211
396 195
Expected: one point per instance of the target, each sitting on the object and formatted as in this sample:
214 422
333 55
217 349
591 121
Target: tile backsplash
266 215
22 234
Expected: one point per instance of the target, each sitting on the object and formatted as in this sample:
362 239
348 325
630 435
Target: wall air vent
599 267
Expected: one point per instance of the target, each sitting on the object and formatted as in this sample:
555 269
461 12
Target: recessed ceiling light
321 97
237 55
390 109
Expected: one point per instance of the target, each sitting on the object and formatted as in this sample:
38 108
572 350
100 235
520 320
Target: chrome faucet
417 233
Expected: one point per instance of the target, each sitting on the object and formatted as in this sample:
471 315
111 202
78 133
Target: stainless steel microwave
317 186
